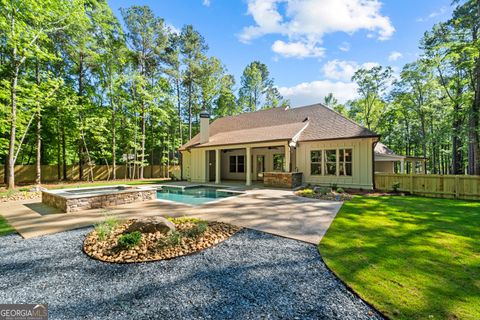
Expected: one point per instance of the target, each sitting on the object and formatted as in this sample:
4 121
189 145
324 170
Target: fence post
457 184
411 182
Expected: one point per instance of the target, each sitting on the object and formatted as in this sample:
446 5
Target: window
237 164
345 162
240 164
331 162
278 160
316 163
326 162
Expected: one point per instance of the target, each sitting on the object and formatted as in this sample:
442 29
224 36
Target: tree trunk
80 95
179 106
473 123
457 157
38 177
142 156
13 123
114 138
190 110
64 153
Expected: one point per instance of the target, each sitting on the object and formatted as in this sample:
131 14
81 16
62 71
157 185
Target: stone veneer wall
282 179
96 201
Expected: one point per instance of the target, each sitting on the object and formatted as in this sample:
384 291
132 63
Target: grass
410 257
5 228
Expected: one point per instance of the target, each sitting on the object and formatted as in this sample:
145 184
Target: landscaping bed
19 195
140 240
324 193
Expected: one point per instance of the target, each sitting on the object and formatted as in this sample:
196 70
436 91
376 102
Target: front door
260 167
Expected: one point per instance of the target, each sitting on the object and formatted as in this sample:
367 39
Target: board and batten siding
362 175
194 161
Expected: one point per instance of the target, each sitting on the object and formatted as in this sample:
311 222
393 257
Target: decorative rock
151 225
150 249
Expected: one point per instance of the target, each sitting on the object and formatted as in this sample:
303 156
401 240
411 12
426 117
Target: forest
80 86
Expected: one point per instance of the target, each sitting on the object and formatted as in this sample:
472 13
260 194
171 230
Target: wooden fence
432 185
27 173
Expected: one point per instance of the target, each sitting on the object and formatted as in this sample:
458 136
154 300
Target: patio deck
275 211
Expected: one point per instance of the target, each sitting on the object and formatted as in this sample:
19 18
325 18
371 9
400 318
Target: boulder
151 225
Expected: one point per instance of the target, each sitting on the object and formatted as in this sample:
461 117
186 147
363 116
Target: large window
345 162
278 161
331 162
316 163
237 164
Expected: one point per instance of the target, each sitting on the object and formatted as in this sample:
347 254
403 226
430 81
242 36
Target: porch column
248 155
217 166
286 165
402 166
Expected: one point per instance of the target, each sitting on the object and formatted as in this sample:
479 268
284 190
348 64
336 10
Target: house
282 147
385 160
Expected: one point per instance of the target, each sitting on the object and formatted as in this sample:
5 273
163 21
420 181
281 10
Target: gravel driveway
252 275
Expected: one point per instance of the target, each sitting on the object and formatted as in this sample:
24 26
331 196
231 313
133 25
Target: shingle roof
281 124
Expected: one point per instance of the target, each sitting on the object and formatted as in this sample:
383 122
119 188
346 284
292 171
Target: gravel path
252 275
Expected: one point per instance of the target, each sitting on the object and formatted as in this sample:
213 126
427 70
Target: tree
193 48
254 83
372 84
226 104
26 23
148 40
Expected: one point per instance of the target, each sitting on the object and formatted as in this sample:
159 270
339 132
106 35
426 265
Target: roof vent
306 119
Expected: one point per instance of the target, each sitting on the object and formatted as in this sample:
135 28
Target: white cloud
297 49
314 92
395 55
344 70
433 14
345 47
307 21
206 3
172 28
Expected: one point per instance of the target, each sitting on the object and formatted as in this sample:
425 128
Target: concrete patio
275 211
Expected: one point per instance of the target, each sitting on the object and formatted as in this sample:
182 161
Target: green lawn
5 228
410 257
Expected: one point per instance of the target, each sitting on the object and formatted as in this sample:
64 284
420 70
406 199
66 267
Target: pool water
193 195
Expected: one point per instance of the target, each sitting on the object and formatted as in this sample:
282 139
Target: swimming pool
193 195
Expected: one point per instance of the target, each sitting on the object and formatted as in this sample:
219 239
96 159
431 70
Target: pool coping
224 189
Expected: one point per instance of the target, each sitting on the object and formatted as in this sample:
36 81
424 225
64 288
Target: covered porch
268 164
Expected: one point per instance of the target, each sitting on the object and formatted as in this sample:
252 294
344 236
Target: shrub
340 190
197 230
334 186
175 238
130 240
396 186
105 228
184 220
322 190
306 193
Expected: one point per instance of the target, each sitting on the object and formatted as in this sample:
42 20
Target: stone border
67 203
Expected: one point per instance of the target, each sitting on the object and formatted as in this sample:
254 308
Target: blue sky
311 47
